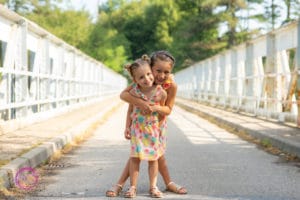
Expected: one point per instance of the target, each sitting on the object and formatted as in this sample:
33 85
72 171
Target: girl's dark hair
163 56
144 60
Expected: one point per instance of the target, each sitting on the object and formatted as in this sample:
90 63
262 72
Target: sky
89 5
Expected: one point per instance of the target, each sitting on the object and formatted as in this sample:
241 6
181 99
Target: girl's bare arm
169 103
171 96
128 122
161 108
139 102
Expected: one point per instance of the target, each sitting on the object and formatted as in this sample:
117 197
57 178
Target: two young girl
161 65
144 130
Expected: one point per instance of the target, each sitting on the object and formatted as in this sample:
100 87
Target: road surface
212 163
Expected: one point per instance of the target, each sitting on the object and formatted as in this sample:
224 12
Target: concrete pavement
32 145
210 162
284 137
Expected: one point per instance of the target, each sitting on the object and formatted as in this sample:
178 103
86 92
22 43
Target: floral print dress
145 129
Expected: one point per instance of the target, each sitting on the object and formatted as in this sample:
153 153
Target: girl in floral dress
162 63
144 130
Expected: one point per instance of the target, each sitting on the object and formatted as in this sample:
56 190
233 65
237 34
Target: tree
272 13
107 44
72 26
292 10
196 33
24 7
17 5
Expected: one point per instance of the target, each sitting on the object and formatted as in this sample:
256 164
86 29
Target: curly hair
144 60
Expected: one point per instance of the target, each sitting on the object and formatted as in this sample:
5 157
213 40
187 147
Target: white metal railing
40 73
259 77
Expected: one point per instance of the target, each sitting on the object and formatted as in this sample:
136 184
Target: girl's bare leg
164 171
125 174
134 171
134 168
117 188
153 171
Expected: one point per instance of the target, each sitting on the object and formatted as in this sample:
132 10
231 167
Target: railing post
298 73
233 81
248 83
272 70
21 61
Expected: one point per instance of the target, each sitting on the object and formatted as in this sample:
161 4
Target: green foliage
72 26
196 34
272 14
108 45
292 10
24 7
127 29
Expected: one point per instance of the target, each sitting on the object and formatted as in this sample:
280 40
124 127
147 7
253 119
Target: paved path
32 145
212 163
284 137
54 133
18 141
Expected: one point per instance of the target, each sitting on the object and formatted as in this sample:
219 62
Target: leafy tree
131 20
26 6
196 34
167 16
126 29
17 5
107 44
72 26
228 15
292 10
272 13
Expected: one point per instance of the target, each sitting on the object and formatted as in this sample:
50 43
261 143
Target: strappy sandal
114 191
131 192
155 192
178 189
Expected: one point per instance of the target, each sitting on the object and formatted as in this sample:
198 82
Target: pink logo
26 178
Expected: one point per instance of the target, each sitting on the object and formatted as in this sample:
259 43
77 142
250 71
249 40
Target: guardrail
259 77
40 73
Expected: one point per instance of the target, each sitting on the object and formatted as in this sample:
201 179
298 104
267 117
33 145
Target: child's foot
114 191
155 192
131 192
178 189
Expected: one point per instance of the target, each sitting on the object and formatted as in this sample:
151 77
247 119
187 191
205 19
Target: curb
43 152
286 145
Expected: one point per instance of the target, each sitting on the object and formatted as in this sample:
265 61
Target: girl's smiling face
161 71
143 76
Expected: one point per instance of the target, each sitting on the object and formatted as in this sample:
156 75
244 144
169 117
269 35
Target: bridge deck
32 145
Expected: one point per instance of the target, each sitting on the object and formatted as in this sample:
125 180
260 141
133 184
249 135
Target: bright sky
92 5
89 5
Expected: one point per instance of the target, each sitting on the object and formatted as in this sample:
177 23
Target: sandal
155 192
114 191
131 192
178 189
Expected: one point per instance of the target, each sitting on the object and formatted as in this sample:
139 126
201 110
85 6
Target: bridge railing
40 73
259 77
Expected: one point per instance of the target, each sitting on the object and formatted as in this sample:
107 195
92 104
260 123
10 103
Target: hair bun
145 57
127 66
